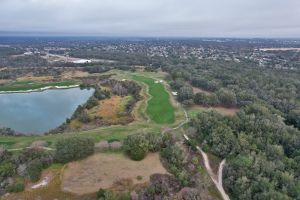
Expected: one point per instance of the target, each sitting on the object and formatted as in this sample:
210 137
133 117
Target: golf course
155 112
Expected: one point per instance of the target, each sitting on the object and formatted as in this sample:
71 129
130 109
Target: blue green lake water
39 112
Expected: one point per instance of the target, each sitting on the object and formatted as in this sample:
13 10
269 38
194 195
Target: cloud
196 18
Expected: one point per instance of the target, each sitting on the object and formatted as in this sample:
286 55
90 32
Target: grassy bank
34 85
117 132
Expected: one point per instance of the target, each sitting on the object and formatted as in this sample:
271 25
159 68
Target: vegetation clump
137 145
74 148
16 167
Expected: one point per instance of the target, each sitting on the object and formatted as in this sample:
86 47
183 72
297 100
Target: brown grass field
107 170
110 110
194 109
35 78
74 74
4 81
51 191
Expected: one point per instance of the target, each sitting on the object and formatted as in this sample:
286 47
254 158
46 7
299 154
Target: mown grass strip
31 85
159 108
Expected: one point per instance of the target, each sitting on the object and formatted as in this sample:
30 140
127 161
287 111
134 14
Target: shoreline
39 89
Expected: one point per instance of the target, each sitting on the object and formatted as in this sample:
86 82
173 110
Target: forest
261 142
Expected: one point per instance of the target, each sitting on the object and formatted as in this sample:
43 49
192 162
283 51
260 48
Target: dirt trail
20 149
216 178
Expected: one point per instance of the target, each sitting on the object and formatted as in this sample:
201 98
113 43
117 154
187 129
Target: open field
74 74
51 191
105 171
159 108
33 85
195 109
197 90
35 78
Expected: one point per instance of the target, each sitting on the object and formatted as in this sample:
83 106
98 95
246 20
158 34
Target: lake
39 112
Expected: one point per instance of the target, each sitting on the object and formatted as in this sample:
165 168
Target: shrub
7 169
75 148
100 193
154 141
106 195
136 146
17 187
34 169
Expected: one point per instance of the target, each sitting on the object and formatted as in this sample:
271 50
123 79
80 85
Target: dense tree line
239 84
262 152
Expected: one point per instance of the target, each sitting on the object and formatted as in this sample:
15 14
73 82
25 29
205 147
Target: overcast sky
191 18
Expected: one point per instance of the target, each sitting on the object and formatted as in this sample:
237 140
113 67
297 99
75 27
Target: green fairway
33 85
159 107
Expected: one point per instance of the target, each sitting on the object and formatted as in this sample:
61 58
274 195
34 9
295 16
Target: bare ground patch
222 110
197 90
4 81
35 78
107 170
74 74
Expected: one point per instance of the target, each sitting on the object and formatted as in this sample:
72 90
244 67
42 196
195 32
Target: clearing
195 109
35 78
159 107
197 90
107 170
74 74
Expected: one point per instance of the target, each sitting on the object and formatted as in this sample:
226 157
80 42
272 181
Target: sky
156 18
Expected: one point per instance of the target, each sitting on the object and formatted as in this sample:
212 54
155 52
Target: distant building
82 61
28 53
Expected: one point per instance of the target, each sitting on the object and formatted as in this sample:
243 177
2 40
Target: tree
136 146
185 93
226 97
7 169
75 148
201 99
293 118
